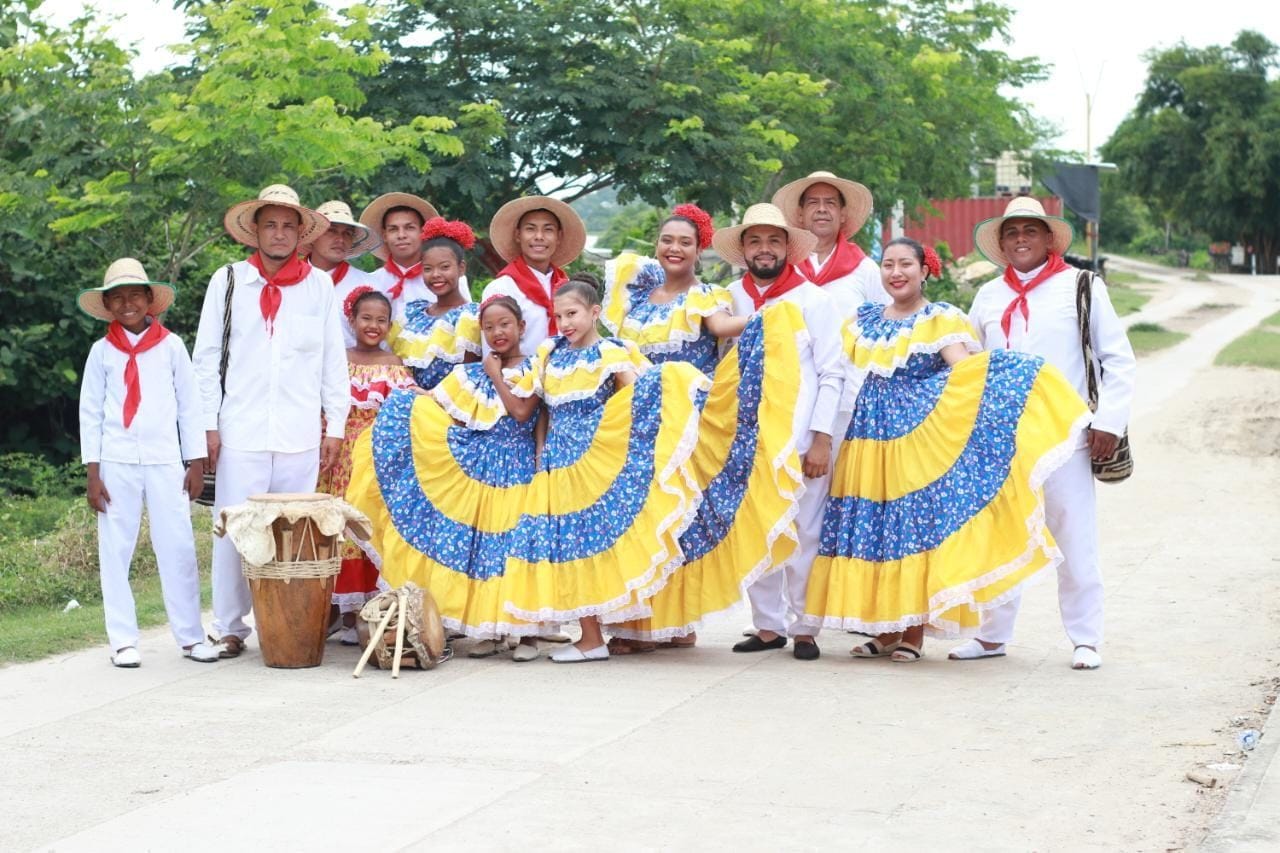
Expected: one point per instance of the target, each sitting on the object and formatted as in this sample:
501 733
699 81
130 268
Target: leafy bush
26 474
1200 260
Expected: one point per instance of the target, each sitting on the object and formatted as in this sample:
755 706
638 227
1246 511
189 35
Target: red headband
932 262
349 304
458 232
700 219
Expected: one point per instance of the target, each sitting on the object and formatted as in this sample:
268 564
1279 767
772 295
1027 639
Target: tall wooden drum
289 547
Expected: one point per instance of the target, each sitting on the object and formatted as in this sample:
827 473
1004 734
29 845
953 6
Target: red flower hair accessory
349 304
932 262
700 218
458 232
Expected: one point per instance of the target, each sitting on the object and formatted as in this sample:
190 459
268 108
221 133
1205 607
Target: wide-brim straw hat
239 219
121 273
371 216
986 235
857 200
573 231
728 241
339 213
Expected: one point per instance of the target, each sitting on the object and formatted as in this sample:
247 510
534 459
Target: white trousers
159 489
243 473
1072 516
777 599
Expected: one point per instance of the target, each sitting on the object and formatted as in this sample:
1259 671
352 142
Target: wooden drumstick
368 650
404 606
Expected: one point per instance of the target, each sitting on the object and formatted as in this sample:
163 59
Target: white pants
777 599
159 489
242 473
1071 513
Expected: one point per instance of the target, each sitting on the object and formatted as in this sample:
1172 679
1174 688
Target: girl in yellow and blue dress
435 336
745 463
602 518
443 478
936 509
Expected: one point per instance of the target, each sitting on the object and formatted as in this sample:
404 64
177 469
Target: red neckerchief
117 337
1054 265
293 271
843 260
529 285
402 276
789 280
339 272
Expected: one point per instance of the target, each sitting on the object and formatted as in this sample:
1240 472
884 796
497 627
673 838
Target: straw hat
728 241
239 219
986 236
338 213
857 200
122 273
573 232
371 216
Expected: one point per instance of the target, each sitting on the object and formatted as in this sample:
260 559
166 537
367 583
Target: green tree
590 94
1203 143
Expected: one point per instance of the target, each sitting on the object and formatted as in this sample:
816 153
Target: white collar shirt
1052 330
850 292
536 323
822 371
353 279
169 424
277 384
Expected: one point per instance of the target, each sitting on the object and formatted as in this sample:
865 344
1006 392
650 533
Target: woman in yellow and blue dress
936 509
443 477
601 524
745 463
436 336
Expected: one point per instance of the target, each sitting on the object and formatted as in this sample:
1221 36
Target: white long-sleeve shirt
536 326
1052 331
850 291
822 370
278 384
169 424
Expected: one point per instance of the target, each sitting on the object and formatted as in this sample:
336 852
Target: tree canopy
1203 143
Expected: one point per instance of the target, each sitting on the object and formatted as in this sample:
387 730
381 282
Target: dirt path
713 750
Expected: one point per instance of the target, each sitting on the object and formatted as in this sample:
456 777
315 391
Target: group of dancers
817 437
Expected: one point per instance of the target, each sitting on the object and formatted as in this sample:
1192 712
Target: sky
1094 48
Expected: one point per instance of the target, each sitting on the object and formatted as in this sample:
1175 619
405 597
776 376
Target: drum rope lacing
276 570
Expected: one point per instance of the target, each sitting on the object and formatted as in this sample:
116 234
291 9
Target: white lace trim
927 347
668 556
944 600
351 602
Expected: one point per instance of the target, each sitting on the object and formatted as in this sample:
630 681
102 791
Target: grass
1126 279
1149 337
1126 300
48 556
1257 348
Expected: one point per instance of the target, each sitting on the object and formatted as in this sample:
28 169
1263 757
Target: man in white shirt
1032 308
332 252
834 209
285 365
398 219
538 236
140 417
768 247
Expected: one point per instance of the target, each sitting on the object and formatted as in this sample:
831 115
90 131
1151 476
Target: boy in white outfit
140 418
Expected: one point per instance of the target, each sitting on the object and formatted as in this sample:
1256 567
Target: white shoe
973 650
349 636
1085 658
486 648
127 658
573 654
525 652
201 653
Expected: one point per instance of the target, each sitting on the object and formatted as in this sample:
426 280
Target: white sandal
873 648
1085 658
973 650
127 658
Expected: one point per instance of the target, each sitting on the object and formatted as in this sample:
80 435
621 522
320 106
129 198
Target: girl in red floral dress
375 373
